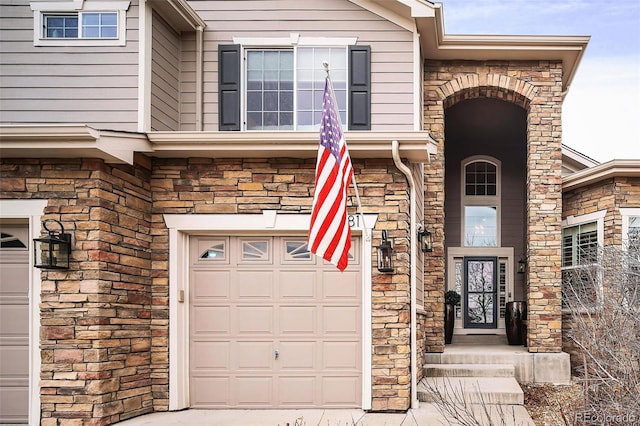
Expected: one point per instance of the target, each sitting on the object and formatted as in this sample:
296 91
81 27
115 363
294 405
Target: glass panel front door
480 285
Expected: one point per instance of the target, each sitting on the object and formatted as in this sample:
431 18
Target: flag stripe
329 231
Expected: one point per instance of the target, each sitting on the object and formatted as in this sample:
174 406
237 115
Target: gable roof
428 21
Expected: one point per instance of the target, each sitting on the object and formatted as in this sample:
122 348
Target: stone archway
535 86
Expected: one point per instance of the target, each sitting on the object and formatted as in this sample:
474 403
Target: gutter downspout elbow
395 153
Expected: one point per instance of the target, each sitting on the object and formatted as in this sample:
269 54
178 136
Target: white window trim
481 200
626 214
598 217
41 8
180 226
294 40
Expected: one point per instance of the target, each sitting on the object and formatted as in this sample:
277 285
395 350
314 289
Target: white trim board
182 225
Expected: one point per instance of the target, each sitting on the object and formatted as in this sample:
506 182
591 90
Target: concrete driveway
426 415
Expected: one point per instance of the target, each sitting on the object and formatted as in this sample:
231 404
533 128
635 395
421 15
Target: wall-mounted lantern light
52 251
385 262
425 239
522 266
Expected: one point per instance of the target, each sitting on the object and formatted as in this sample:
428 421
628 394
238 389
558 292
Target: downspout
199 76
395 153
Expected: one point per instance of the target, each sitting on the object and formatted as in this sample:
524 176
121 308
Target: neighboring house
176 142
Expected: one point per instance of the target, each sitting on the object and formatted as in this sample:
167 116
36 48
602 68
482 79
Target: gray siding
391 47
165 75
97 86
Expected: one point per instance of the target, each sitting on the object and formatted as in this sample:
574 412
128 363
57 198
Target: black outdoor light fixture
522 266
52 251
425 239
385 262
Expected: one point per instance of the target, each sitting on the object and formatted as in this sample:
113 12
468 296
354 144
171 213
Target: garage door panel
297 355
211 284
254 391
254 285
15 402
298 284
210 391
14 321
254 356
343 286
298 320
271 298
341 320
211 356
340 391
214 320
341 355
13 360
297 391
254 319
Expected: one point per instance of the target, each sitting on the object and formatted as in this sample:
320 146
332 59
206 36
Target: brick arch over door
535 86
499 86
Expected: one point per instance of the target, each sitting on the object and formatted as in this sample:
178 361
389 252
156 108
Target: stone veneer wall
95 337
610 195
537 87
199 185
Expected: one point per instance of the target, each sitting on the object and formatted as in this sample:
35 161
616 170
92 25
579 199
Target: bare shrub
603 299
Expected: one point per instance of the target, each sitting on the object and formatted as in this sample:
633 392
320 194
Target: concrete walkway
426 415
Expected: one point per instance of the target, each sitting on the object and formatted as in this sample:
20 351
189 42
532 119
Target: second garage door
273 326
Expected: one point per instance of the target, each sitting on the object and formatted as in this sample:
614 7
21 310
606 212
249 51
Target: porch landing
492 352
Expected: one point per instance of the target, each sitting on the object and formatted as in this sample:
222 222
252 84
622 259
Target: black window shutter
359 87
229 87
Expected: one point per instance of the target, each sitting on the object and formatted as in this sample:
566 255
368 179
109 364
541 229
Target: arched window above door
480 201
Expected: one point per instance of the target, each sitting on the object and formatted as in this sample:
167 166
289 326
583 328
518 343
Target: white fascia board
403 21
610 169
70 141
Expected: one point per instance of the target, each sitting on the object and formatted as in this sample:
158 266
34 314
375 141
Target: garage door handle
277 354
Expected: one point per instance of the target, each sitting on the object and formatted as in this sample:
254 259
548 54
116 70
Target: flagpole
325 64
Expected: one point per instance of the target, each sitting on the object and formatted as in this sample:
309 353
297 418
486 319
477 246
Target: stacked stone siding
537 87
192 186
95 336
105 321
610 195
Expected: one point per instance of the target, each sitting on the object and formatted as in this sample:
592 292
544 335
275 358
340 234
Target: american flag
329 232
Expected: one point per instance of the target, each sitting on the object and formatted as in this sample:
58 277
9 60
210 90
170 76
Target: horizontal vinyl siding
97 86
165 74
391 49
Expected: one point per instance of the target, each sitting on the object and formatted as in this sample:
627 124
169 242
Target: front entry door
480 289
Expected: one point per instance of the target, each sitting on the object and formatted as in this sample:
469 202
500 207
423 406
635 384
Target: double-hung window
72 23
582 238
284 87
281 88
481 202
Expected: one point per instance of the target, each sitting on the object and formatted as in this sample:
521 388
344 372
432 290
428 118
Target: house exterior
176 142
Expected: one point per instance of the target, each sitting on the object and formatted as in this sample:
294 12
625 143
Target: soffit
81 141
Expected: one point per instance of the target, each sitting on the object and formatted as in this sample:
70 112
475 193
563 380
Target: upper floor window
79 22
481 202
284 89
264 87
81 25
582 237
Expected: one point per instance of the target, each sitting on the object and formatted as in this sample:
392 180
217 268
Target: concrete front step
471 390
469 370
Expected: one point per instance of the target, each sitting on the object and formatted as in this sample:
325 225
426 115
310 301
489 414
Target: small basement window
79 23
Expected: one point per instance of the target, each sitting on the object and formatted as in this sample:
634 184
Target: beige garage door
272 326
14 324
